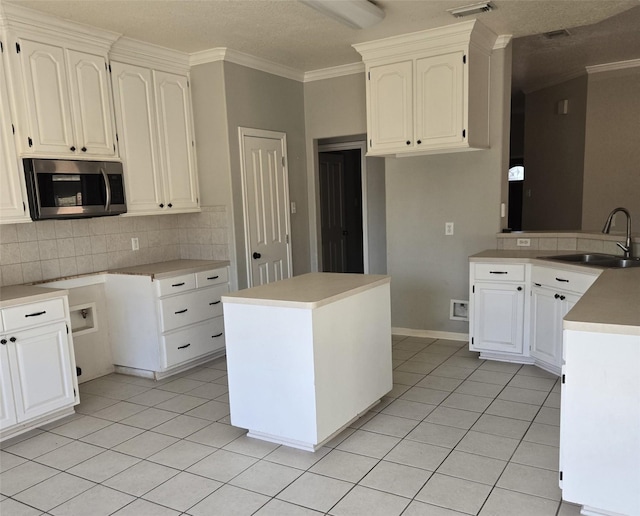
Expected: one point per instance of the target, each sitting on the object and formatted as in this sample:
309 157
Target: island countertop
308 290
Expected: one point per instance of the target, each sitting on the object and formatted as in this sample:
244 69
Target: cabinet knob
3 342
419 142
408 142
84 149
72 149
170 205
557 296
562 298
519 289
162 205
13 339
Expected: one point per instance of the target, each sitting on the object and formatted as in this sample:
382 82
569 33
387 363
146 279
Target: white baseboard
431 334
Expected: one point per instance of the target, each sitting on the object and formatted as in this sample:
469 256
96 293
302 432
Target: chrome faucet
607 227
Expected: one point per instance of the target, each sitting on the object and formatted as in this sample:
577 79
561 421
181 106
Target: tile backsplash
566 241
51 249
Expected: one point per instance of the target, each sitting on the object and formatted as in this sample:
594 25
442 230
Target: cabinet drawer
212 277
192 307
499 271
33 314
176 284
562 280
192 342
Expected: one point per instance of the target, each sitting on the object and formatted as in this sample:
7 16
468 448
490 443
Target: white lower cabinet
553 293
498 309
38 381
516 311
158 327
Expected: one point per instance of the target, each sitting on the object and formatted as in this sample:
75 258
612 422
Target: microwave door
69 195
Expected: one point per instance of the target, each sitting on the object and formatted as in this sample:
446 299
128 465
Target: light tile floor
456 435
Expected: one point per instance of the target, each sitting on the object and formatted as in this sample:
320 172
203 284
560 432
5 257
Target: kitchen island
308 355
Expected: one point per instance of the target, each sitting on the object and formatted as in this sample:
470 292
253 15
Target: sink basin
596 259
593 258
621 262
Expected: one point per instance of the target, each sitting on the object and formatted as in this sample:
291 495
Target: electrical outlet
293 207
135 244
523 242
448 228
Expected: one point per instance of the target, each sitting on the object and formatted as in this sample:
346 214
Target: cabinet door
12 199
498 317
137 137
546 326
47 98
176 141
390 100
89 87
41 371
440 99
7 407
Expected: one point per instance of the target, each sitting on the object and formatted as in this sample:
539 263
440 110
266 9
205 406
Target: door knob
256 256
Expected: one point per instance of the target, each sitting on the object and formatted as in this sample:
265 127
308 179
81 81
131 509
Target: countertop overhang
612 303
14 295
308 291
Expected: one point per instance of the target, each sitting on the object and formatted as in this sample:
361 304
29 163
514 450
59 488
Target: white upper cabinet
13 206
137 137
91 104
155 129
59 81
176 140
428 92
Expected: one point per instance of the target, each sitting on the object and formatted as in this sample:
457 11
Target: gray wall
376 216
554 149
259 100
428 268
332 108
612 148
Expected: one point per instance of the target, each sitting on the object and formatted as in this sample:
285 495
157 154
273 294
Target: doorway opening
342 181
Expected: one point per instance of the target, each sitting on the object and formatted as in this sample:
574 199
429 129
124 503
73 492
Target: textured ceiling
290 33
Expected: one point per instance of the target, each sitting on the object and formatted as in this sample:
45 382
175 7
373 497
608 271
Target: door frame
273 135
362 146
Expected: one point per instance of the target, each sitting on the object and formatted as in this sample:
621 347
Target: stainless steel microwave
65 189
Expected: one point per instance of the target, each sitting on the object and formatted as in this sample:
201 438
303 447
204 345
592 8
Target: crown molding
148 55
35 22
502 41
240 58
333 72
608 67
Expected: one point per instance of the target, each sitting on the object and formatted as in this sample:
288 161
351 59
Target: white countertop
169 269
14 295
612 303
308 290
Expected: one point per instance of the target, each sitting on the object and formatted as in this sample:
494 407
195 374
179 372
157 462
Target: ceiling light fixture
358 14
468 10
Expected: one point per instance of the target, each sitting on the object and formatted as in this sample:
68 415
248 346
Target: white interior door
266 205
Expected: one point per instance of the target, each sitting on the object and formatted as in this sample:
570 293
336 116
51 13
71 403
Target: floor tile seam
512 490
94 484
181 511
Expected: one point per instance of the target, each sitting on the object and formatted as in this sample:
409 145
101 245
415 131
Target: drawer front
192 307
176 284
193 342
212 277
562 280
499 271
33 314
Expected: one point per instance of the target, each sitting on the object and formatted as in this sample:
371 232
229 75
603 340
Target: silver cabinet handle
107 186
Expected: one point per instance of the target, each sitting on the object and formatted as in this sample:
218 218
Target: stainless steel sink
596 259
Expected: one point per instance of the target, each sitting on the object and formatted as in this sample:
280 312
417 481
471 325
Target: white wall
428 268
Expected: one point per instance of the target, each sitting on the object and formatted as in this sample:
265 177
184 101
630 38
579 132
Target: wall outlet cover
523 242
